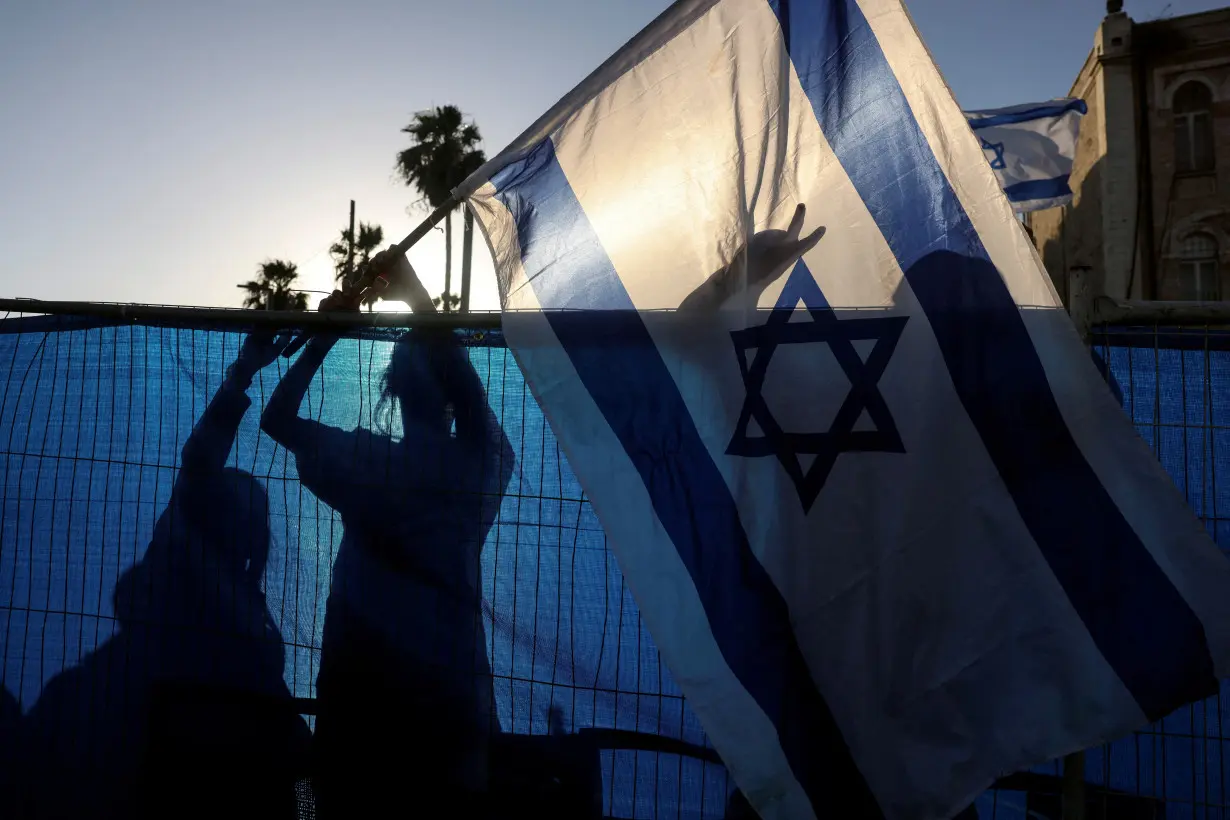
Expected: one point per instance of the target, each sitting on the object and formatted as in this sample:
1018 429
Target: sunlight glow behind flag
886 523
1031 148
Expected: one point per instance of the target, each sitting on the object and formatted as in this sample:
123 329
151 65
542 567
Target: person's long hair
414 383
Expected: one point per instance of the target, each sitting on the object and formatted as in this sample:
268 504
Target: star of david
864 376
998 163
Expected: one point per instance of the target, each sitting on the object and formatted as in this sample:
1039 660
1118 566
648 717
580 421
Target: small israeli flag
1031 148
882 516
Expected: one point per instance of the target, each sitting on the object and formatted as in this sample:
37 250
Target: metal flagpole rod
367 278
427 224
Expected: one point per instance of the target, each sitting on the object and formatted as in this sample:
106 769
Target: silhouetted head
217 524
415 378
231 516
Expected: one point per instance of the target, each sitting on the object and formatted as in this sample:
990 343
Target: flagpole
433 219
368 277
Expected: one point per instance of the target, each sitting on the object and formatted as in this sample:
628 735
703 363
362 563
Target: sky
159 152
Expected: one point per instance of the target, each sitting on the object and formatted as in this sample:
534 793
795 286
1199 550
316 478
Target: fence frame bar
1107 311
339 321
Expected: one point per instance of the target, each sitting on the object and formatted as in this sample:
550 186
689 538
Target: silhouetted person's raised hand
767 255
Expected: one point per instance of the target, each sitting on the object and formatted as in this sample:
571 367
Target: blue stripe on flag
620 366
1025 115
1142 625
1034 189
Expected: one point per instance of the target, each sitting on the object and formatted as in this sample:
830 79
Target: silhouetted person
404 690
11 752
184 711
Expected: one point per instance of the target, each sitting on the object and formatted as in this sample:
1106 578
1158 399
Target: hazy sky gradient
159 151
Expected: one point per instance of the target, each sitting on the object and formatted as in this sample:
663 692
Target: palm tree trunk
448 259
467 248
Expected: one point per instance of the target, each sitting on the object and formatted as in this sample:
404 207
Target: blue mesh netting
1175 385
94 418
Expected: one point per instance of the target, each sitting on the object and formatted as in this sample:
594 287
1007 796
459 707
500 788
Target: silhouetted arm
464 389
211 439
281 419
210 442
332 462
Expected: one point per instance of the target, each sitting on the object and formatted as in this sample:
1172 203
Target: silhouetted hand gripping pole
376 275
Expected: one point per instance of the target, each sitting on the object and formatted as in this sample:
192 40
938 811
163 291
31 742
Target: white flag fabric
883 518
1031 148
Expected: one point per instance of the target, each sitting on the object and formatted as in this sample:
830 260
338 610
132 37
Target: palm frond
271 290
442 154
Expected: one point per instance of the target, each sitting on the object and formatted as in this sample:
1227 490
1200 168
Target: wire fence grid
94 413
1173 381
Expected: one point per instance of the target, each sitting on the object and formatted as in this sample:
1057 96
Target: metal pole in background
350 249
467 246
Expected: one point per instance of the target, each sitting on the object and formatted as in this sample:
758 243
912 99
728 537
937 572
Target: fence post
1074 786
1080 308
1080 300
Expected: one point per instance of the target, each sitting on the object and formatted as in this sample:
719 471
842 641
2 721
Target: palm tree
271 289
444 152
370 238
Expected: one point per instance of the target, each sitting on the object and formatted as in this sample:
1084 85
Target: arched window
1193 127
1198 276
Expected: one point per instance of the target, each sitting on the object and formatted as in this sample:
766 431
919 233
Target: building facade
1150 214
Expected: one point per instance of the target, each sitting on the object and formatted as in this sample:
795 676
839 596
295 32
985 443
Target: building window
1198 278
1193 128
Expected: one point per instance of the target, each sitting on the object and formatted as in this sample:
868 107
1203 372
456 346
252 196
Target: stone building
1150 215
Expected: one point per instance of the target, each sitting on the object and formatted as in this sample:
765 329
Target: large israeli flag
1031 148
885 521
